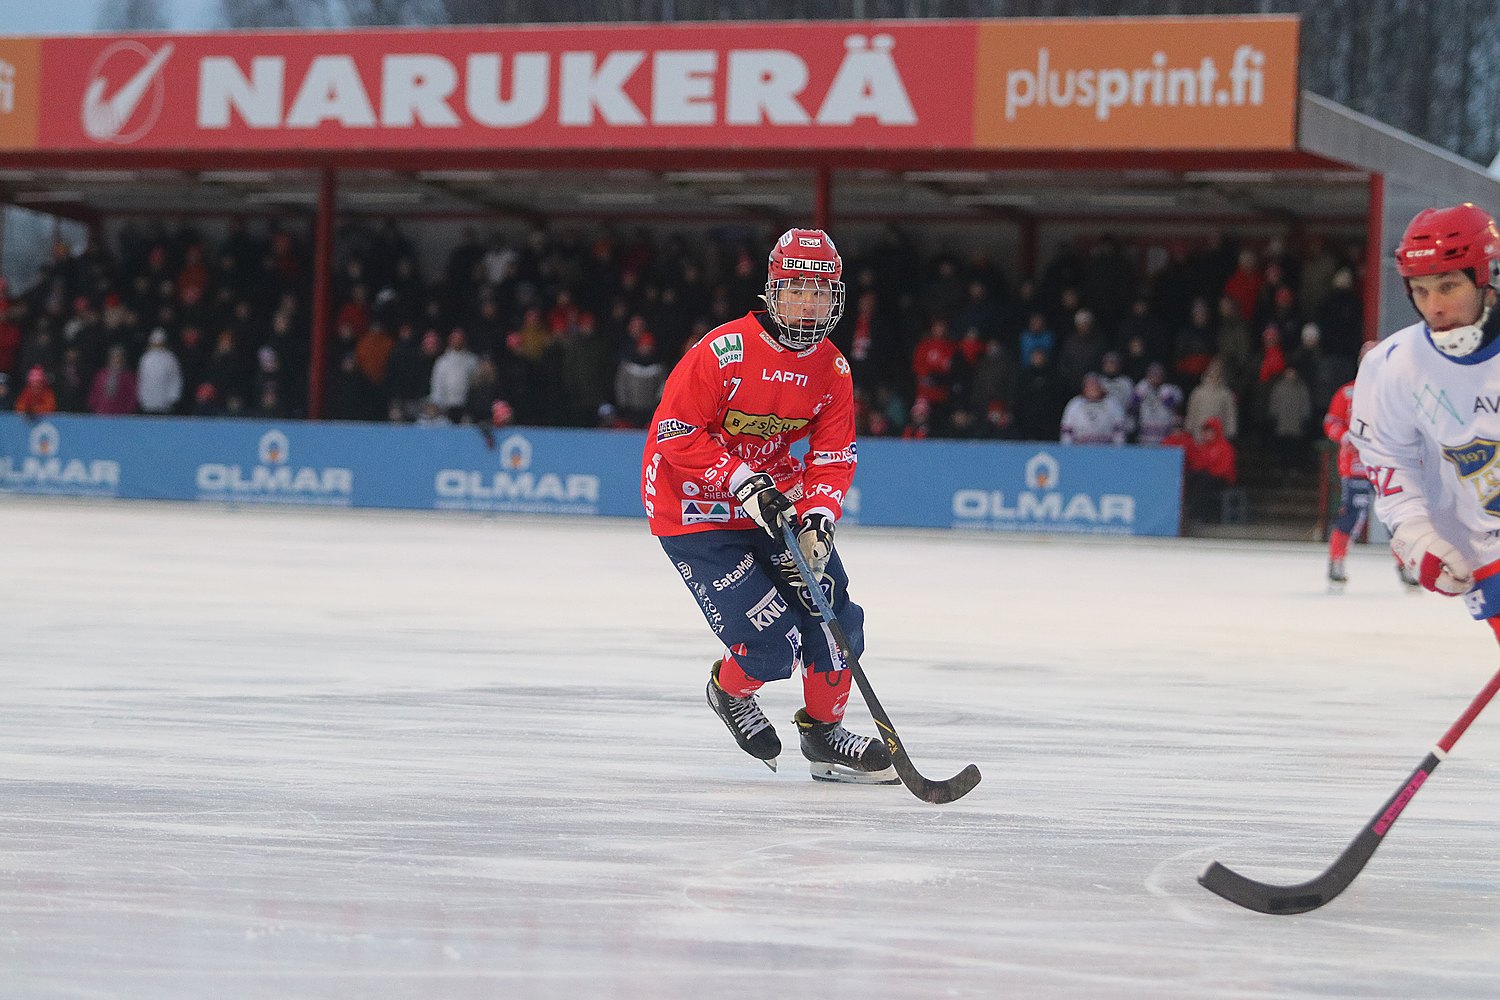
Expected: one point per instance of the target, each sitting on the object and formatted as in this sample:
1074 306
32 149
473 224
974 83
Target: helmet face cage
804 287
805 310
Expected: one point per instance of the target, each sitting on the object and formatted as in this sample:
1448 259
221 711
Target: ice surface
265 753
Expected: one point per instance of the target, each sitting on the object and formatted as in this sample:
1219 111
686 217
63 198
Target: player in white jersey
1426 416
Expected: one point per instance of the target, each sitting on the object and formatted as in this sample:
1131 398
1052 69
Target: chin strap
1461 341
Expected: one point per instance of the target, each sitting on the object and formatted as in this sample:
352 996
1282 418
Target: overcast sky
67 17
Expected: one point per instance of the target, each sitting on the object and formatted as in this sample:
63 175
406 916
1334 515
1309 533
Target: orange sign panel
20 88
1137 83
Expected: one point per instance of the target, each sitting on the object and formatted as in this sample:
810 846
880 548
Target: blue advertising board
993 486
1040 487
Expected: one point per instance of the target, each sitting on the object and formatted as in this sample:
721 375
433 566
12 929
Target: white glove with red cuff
1439 566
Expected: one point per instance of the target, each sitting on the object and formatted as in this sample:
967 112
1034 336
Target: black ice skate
752 730
1336 576
839 755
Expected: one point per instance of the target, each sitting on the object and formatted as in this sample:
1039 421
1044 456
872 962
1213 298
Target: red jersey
733 406
1336 428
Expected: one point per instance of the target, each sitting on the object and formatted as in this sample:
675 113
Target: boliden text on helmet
809 264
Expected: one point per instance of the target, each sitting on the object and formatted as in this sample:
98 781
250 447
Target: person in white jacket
1426 414
158 376
1092 417
451 374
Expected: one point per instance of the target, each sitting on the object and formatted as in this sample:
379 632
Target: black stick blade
1263 898
924 788
1284 899
956 787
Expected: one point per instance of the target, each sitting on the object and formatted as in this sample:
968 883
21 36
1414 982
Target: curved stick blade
1263 898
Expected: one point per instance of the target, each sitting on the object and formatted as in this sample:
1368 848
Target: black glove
765 503
815 539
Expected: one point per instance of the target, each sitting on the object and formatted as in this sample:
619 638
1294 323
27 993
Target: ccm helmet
1461 238
805 287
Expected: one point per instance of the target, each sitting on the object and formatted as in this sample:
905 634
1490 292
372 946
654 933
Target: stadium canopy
1017 122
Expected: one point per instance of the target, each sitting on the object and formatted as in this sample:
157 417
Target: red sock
1338 544
825 693
735 682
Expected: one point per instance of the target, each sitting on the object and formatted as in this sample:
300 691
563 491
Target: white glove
815 539
765 503
1435 563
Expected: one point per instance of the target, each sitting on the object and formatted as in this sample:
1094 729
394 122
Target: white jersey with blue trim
1427 427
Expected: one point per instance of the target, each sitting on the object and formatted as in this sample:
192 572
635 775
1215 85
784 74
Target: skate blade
848 776
1335 588
769 763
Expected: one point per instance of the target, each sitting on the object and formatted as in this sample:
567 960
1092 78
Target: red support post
1374 255
322 307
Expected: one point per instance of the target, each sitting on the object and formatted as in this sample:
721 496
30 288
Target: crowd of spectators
1106 344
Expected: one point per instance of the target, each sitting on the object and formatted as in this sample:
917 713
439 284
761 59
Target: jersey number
1380 478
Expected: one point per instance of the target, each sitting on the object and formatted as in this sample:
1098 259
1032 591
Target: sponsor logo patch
848 455
766 611
729 349
737 574
705 511
1477 467
762 425
671 428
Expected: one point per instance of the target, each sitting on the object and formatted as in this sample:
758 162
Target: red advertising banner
1207 83
730 86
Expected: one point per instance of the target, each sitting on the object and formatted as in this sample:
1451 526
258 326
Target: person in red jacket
37 399
932 364
1211 469
719 480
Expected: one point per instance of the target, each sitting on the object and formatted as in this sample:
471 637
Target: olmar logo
273 480
44 470
515 453
1042 504
274 448
1476 465
1041 472
515 487
132 109
44 440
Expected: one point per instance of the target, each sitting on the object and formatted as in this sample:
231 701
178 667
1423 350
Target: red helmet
805 261
1460 238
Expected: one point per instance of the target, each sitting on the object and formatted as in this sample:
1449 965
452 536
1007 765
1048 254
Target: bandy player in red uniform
718 480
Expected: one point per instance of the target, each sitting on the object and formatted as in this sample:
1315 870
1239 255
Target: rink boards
976 485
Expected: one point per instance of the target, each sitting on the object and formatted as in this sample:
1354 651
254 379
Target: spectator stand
641 169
